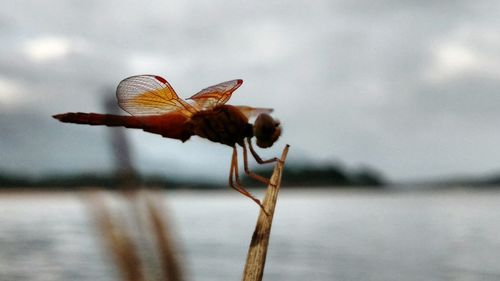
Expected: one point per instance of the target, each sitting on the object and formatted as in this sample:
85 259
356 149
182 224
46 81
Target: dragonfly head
266 130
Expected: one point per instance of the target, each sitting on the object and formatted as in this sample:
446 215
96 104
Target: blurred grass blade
168 260
118 241
136 234
256 258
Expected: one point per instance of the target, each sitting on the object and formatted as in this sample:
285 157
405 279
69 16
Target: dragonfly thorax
223 124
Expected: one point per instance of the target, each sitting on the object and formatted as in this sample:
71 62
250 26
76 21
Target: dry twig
256 258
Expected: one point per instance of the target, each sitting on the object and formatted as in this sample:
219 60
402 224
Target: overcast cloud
408 87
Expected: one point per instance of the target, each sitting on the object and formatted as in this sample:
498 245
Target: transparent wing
250 112
215 95
150 95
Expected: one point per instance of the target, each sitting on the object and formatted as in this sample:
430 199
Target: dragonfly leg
257 157
247 170
234 180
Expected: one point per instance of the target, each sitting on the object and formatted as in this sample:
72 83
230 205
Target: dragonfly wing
215 95
250 112
150 95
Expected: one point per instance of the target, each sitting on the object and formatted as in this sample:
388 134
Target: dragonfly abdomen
99 119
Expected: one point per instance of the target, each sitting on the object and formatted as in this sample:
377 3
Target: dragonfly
155 107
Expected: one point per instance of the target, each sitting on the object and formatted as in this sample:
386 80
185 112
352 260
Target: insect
154 107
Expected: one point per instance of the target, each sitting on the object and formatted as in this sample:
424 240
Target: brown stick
256 258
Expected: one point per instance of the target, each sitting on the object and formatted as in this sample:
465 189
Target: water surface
316 235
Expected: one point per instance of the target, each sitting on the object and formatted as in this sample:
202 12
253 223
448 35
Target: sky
410 88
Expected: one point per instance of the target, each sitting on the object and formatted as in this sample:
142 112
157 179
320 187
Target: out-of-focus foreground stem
137 235
256 258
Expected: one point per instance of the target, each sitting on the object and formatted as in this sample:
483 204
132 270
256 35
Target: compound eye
266 130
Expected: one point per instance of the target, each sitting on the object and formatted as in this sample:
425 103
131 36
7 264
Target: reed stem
256 258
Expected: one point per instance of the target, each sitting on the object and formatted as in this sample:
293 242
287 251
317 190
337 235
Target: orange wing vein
215 95
143 95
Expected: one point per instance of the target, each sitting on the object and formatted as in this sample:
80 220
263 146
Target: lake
317 234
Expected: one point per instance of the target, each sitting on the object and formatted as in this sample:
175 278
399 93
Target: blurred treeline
293 176
329 175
